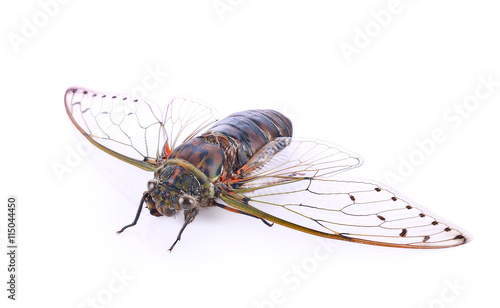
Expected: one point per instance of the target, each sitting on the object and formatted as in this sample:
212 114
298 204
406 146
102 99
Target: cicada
249 163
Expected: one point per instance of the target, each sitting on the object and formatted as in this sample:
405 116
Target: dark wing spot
426 238
381 217
378 189
447 229
434 223
409 207
421 215
352 198
459 237
403 233
394 199
85 92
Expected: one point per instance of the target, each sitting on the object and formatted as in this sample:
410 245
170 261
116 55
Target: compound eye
169 212
186 202
151 185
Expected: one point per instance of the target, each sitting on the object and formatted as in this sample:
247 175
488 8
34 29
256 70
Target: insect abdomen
231 142
250 130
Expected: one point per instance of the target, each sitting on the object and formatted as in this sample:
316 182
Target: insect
249 163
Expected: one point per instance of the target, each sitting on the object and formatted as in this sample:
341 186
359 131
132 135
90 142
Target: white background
426 58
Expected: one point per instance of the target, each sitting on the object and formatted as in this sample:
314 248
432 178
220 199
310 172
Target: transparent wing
286 159
184 119
135 130
296 187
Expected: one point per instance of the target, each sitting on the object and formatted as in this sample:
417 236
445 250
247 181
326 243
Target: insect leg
189 216
222 206
144 196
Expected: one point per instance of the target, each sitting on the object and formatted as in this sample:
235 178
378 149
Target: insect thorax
178 185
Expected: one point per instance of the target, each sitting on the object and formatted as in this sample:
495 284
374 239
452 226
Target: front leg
145 197
189 216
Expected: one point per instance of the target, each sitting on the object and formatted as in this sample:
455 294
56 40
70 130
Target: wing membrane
135 130
286 159
296 187
185 118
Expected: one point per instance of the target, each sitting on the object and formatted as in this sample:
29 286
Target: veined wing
294 188
286 159
135 130
184 119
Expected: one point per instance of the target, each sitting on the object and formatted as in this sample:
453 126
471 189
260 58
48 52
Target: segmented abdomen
231 142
